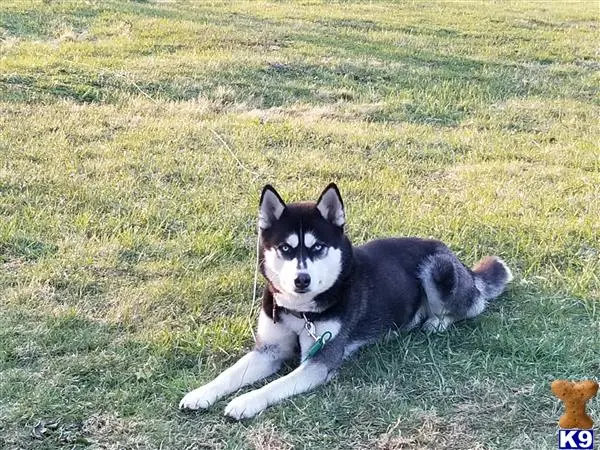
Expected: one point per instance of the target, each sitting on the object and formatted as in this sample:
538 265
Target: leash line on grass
243 167
214 132
257 249
232 153
134 84
255 285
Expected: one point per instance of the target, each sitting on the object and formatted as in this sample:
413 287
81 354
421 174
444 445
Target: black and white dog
326 298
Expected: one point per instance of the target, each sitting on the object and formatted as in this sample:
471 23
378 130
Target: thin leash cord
242 166
255 289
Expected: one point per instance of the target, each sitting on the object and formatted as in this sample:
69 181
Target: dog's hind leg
274 345
455 292
439 279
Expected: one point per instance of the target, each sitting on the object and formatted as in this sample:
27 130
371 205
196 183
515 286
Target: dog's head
303 245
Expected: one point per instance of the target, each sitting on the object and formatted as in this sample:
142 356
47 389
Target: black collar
310 316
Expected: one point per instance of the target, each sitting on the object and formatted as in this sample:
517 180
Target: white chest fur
297 325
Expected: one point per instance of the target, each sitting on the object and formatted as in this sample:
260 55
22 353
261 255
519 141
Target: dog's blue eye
317 247
284 248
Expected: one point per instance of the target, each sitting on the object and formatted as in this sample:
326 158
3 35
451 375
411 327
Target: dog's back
404 281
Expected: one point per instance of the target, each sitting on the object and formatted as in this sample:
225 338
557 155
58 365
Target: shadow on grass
415 85
427 88
25 248
44 23
499 364
90 369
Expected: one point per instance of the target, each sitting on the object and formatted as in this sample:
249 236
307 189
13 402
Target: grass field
135 138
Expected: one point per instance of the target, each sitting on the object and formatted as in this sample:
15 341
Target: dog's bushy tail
460 292
491 275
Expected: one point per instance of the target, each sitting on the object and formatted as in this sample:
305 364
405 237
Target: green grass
135 138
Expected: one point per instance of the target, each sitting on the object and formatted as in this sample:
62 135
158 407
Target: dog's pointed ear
331 207
271 207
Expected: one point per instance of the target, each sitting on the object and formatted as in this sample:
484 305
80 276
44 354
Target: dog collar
310 316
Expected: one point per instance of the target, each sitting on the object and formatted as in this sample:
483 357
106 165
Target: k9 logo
575 439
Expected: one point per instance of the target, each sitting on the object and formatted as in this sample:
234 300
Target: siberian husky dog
324 298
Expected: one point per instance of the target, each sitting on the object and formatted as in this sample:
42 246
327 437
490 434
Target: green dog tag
318 345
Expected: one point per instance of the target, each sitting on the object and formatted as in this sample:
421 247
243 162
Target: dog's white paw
437 324
245 406
200 398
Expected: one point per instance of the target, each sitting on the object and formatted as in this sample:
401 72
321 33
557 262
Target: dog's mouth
301 291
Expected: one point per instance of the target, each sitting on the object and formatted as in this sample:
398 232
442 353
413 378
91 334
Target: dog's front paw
245 406
437 324
200 398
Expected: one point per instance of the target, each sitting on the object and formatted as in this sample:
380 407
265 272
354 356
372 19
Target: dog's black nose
302 280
